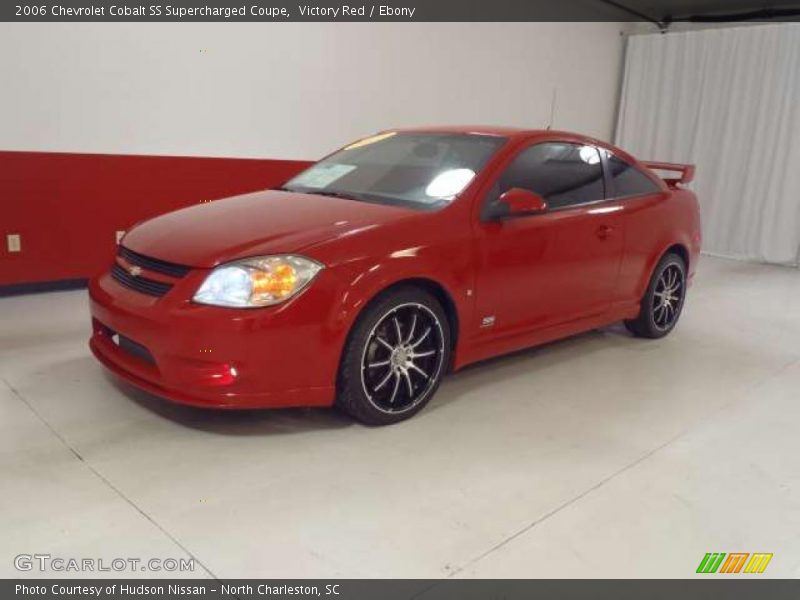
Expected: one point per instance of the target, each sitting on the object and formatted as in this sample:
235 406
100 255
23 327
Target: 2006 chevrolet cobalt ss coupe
368 276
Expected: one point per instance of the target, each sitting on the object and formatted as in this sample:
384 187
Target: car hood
261 223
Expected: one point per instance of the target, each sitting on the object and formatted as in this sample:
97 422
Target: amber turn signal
278 283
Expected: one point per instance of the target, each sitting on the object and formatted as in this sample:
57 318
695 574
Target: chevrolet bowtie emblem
135 271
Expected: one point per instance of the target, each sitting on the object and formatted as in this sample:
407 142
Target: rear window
627 180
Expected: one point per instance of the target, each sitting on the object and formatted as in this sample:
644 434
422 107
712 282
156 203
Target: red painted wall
68 207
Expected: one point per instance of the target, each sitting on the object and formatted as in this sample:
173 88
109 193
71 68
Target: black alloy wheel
667 297
402 357
396 356
663 301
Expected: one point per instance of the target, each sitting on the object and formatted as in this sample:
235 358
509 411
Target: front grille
153 264
140 284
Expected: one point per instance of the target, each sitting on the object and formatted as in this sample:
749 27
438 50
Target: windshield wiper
331 193
334 194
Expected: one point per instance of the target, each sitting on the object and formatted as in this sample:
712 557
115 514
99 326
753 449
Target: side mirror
519 201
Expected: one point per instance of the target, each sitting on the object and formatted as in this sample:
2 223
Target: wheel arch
433 287
646 275
680 250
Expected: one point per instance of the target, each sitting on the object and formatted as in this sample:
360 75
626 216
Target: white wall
293 90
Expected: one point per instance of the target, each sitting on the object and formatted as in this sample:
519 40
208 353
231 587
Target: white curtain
727 100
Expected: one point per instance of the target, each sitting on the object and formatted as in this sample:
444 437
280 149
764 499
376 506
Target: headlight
254 282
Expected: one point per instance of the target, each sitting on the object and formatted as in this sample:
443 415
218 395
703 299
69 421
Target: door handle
604 232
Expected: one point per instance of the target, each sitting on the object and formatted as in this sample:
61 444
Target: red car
367 277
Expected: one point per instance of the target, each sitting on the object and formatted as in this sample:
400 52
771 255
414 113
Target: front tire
395 357
663 301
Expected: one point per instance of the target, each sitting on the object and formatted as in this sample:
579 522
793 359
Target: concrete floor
598 456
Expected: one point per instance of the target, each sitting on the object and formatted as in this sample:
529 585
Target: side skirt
470 352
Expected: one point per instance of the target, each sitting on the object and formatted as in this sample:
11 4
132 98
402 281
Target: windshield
419 170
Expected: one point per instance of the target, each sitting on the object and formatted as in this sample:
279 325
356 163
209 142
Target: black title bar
312 10
403 589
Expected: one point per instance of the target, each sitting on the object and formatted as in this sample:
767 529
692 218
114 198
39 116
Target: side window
627 180
562 173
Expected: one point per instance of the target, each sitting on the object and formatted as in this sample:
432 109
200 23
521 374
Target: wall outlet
119 236
14 242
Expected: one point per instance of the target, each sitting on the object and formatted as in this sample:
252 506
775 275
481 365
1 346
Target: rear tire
662 303
395 357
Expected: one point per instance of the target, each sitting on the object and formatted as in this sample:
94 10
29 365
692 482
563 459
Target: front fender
364 279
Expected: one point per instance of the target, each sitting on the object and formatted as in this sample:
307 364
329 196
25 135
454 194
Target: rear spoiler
686 171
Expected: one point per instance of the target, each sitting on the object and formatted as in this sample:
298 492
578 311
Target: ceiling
709 10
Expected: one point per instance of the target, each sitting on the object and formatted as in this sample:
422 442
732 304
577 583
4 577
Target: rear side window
563 174
627 180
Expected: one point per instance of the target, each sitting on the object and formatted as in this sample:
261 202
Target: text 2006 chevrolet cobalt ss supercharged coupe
364 279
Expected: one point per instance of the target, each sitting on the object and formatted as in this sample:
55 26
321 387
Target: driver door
546 269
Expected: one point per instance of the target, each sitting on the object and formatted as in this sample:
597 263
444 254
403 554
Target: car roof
473 129
517 133
508 132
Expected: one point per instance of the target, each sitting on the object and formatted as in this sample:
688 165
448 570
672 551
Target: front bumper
280 356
